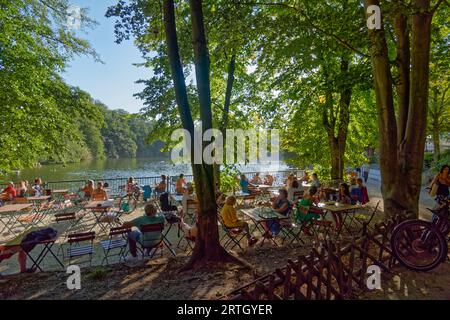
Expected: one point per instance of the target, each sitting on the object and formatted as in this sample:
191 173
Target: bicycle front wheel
418 246
128 204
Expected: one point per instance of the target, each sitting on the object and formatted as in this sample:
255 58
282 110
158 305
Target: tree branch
437 5
342 42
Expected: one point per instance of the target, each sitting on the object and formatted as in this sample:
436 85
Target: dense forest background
106 133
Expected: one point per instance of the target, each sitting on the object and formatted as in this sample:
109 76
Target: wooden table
100 205
60 191
7 210
38 199
14 207
258 219
339 212
99 209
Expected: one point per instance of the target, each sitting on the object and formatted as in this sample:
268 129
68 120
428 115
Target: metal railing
115 183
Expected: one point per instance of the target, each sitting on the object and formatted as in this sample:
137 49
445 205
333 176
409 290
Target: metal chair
117 241
233 235
76 247
146 250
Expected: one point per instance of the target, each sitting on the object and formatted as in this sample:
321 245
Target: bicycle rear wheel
418 246
128 204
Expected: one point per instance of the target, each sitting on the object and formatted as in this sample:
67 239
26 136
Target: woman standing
442 180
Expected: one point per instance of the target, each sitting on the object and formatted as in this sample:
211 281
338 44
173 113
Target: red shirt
11 192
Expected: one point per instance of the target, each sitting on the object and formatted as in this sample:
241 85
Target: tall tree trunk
386 115
226 111
401 158
418 103
207 247
337 144
436 145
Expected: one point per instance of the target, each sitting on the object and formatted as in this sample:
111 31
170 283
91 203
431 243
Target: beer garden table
340 212
10 212
261 215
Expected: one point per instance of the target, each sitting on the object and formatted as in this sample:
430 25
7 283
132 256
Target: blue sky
113 83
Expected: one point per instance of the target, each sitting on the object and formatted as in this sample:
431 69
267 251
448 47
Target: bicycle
128 203
421 245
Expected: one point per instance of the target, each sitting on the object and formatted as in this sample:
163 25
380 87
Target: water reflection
115 168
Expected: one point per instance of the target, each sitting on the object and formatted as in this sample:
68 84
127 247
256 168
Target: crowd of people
284 201
23 189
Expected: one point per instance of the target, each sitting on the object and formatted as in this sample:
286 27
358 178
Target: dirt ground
408 285
158 279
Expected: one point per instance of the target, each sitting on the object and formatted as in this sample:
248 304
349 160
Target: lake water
118 168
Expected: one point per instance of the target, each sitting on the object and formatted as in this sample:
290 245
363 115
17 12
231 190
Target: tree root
200 261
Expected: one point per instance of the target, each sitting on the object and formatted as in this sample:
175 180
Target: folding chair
76 247
365 220
321 225
189 240
191 213
41 211
233 235
147 250
290 229
117 241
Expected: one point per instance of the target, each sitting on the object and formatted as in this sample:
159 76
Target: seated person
315 181
256 179
165 204
302 209
230 219
7 252
245 185
290 180
131 185
151 216
306 178
10 191
363 196
344 194
99 194
22 190
162 185
179 185
37 187
282 206
88 189
268 180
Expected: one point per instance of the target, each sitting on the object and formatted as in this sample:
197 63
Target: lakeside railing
115 183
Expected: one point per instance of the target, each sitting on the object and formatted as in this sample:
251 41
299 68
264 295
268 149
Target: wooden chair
146 250
80 244
117 241
321 225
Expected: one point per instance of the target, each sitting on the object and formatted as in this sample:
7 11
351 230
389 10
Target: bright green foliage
35 45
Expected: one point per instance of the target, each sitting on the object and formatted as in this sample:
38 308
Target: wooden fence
330 271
